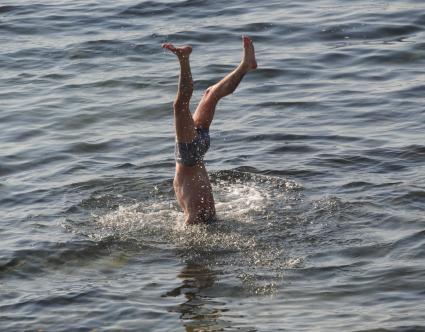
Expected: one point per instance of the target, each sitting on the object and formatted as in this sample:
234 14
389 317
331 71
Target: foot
249 54
181 51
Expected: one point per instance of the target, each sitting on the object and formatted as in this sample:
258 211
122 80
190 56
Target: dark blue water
317 164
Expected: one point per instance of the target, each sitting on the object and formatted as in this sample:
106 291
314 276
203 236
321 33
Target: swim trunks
189 154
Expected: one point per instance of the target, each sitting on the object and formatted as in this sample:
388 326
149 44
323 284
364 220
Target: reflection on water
198 312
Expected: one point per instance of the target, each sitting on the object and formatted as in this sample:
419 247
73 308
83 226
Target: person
191 183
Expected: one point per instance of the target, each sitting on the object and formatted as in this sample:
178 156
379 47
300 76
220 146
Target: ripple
6 9
300 137
293 148
85 147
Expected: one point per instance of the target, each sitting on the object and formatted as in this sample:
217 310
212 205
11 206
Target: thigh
204 113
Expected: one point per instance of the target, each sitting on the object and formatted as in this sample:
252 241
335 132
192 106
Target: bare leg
184 125
204 113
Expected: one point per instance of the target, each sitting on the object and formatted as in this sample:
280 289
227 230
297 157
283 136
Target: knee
210 94
216 92
210 90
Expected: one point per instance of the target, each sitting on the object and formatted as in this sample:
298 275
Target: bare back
194 193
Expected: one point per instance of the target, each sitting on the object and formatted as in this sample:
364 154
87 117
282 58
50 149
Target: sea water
317 166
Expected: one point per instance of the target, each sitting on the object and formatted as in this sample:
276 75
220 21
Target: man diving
191 183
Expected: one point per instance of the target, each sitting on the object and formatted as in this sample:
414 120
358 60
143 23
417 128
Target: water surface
317 164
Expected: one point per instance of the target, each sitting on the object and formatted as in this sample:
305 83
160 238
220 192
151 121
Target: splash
245 241
243 202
